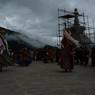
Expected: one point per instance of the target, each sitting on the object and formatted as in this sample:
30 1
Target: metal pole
83 19
93 31
58 28
88 28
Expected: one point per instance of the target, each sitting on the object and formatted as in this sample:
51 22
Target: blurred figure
45 59
77 56
66 60
84 56
58 52
93 57
4 51
24 57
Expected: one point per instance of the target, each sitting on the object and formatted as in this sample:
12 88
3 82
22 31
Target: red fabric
50 54
24 54
67 56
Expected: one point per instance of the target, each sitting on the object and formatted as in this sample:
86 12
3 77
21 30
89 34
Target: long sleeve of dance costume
69 37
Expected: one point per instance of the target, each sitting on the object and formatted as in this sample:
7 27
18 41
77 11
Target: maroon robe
67 57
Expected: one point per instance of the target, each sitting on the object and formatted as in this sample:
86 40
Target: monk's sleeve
69 37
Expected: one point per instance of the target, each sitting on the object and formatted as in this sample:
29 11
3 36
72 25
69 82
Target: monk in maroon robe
66 60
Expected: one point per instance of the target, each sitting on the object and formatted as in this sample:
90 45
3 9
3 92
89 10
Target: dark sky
37 19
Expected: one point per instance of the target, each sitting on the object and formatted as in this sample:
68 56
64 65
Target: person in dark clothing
77 56
86 56
58 52
82 55
93 57
45 60
24 58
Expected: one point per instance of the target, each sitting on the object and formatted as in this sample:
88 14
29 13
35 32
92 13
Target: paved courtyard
47 79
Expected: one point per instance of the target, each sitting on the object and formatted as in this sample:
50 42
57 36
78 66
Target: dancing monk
68 45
